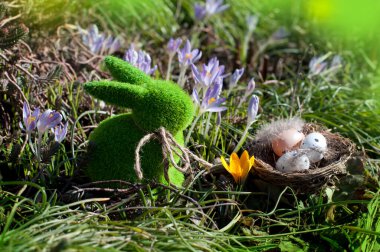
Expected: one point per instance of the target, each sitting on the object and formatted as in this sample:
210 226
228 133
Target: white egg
315 141
314 156
315 145
293 161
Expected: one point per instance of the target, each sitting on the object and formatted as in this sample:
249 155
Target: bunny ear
125 72
116 93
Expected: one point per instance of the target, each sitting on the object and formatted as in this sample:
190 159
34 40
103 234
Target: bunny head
154 103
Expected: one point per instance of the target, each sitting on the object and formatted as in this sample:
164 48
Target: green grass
33 225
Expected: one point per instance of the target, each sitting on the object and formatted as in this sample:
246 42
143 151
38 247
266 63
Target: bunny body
154 104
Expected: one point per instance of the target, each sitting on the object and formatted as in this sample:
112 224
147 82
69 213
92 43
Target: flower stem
181 78
216 135
241 102
39 143
242 139
244 48
29 139
192 128
168 73
205 132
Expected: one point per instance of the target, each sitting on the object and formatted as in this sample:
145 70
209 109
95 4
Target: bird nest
330 168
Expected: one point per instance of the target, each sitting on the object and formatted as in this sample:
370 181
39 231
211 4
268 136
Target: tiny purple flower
186 56
235 77
30 119
131 56
211 7
336 62
112 44
173 45
199 11
253 107
60 132
95 39
211 101
250 87
210 72
195 97
215 6
320 66
140 59
48 119
97 42
317 65
93 31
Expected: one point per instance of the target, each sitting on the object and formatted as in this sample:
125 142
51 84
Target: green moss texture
154 104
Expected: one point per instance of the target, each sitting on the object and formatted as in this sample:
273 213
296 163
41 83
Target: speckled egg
287 140
315 145
314 156
293 161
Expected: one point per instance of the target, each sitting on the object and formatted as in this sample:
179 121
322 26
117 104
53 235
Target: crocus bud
253 107
235 77
173 45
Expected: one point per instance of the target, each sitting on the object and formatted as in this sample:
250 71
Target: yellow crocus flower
239 168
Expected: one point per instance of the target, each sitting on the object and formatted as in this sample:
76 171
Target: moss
165 104
116 93
113 144
154 103
124 72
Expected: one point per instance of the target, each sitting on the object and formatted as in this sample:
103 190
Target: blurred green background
348 28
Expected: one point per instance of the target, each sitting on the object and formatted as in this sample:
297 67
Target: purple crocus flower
48 119
317 65
199 11
93 31
140 59
186 56
98 42
173 45
320 66
215 6
211 101
253 107
210 72
250 87
235 77
211 7
95 39
131 55
112 44
60 132
29 119
336 62
248 91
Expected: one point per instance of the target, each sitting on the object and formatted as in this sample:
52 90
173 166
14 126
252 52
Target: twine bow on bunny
170 147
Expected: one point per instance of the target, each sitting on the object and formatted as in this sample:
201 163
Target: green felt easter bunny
154 104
